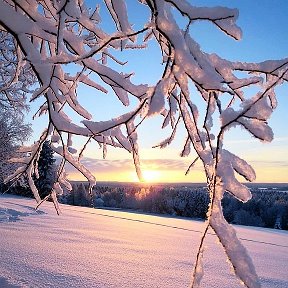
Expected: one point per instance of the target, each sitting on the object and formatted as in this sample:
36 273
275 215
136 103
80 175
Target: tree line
268 208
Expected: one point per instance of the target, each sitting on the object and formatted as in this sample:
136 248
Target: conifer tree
81 196
46 170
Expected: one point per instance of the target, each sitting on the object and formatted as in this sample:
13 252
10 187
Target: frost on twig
50 35
16 75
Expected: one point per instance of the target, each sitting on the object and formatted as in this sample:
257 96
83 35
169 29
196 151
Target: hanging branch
39 40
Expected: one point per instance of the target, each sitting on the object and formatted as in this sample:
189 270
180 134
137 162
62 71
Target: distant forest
268 207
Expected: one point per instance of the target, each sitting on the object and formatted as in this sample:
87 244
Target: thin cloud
269 163
103 165
254 140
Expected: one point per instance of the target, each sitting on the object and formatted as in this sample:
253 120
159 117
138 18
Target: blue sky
265 29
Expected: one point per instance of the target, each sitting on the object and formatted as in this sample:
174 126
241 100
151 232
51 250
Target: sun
151 175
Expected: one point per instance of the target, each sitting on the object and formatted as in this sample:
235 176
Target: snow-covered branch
45 37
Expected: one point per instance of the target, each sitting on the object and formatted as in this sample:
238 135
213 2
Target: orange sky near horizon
273 175
269 167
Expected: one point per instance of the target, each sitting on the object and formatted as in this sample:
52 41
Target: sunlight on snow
86 247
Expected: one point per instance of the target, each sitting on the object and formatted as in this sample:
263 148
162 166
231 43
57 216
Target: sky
265 28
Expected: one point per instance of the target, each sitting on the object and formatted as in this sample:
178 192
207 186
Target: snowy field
85 247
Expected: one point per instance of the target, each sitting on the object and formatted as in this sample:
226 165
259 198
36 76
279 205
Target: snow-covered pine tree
81 196
46 170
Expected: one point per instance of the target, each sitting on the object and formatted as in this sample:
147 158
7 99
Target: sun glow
151 176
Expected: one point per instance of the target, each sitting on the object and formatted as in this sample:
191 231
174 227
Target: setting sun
151 176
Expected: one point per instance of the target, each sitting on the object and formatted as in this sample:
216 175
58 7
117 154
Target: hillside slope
85 247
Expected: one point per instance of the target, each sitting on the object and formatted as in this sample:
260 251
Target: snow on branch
16 75
40 39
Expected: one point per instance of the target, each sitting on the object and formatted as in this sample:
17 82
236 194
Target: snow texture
86 247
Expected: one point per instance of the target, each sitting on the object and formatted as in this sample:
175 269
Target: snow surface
86 247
